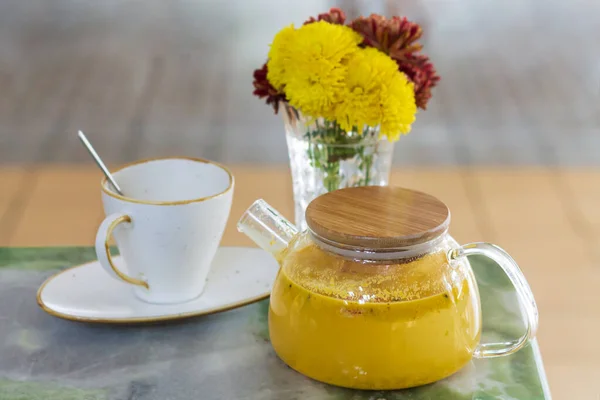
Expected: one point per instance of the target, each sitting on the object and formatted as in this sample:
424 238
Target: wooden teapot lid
377 217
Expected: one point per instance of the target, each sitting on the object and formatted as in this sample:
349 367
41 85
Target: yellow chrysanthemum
361 96
311 65
399 108
376 93
280 57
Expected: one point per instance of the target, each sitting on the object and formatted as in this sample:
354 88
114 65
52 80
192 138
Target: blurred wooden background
510 141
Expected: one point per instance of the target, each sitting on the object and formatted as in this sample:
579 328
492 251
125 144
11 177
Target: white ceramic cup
167 227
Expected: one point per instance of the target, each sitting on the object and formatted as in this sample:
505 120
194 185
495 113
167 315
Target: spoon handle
96 158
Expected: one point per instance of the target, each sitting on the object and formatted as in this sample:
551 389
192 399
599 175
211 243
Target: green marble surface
222 356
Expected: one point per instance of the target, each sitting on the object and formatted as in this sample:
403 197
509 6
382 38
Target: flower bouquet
349 91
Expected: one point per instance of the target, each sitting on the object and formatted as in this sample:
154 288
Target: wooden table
548 219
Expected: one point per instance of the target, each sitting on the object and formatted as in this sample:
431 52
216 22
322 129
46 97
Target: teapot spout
267 228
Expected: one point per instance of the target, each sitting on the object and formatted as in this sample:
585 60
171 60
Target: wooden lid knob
377 217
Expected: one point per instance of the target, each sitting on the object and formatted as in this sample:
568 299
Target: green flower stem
332 178
367 169
329 145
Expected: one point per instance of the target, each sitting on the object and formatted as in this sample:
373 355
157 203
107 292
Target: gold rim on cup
167 203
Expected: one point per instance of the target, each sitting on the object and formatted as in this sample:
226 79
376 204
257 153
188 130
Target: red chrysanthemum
334 16
395 36
263 88
421 72
398 37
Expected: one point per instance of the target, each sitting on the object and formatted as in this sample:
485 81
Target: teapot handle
525 296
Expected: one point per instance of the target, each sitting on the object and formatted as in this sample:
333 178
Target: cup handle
527 303
103 250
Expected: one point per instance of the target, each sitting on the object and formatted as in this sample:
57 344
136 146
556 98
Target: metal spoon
98 160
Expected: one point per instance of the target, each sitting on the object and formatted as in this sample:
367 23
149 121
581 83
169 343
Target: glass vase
324 157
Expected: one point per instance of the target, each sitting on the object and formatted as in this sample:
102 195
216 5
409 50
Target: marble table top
221 356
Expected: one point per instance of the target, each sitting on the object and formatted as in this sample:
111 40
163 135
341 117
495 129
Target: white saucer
238 276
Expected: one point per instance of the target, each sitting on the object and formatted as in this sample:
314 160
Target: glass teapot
376 294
